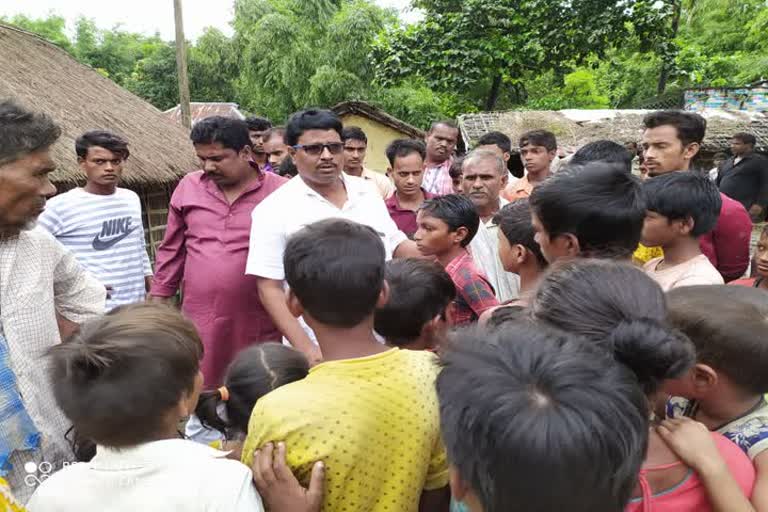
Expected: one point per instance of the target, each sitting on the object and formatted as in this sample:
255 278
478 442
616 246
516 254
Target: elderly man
42 288
485 176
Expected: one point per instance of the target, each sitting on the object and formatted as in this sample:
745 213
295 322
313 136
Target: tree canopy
462 56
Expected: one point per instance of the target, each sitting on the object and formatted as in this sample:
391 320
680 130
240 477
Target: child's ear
389 172
294 306
567 245
383 296
684 226
460 234
704 379
519 254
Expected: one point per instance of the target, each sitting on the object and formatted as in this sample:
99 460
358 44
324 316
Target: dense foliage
463 55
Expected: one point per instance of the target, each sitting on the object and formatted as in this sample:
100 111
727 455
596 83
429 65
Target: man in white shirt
320 191
101 223
485 176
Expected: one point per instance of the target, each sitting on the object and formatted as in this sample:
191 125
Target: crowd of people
444 336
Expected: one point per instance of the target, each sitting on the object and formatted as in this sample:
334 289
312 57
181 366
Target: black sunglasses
334 148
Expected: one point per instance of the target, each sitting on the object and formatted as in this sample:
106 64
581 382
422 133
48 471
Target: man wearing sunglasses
320 191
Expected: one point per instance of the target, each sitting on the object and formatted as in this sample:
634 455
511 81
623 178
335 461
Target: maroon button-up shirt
206 246
404 219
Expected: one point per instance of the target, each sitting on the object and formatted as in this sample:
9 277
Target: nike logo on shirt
112 231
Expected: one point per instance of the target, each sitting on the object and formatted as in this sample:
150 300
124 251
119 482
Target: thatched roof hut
200 110
46 78
574 128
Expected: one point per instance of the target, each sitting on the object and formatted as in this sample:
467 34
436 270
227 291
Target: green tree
52 28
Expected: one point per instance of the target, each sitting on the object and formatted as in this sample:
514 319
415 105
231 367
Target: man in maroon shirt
206 245
671 140
406 160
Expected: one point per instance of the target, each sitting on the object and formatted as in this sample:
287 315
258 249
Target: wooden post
181 66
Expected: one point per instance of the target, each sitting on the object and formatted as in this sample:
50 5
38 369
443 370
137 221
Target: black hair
599 203
728 325
312 119
230 133
620 308
287 168
603 151
118 377
23 132
690 127
335 268
444 122
456 211
353 133
527 397
504 314
103 139
514 220
679 195
419 290
258 124
746 138
496 139
401 148
255 371
457 168
539 138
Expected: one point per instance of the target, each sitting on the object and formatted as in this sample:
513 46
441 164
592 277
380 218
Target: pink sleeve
741 467
170 257
730 240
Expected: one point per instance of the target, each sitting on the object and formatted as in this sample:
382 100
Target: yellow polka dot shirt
373 421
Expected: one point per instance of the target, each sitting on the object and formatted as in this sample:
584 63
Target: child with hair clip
125 380
255 372
625 314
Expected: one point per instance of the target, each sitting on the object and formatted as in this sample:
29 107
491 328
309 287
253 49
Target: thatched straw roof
43 77
201 110
364 109
574 128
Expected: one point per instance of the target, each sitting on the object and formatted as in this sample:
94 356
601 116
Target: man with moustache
257 128
206 245
101 223
44 293
484 177
441 142
671 141
320 191
279 153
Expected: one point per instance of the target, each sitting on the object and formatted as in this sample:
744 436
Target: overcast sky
146 16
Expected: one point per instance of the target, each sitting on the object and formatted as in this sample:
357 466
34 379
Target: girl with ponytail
255 372
621 309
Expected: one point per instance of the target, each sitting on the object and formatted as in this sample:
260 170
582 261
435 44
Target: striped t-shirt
106 235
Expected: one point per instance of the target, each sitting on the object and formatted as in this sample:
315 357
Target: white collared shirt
295 205
162 476
485 252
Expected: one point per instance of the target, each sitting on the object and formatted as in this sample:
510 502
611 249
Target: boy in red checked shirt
446 226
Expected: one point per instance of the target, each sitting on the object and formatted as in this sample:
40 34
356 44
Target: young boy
369 411
101 222
518 251
725 389
512 401
456 173
418 309
682 206
125 381
406 169
446 226
761 265
590 211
